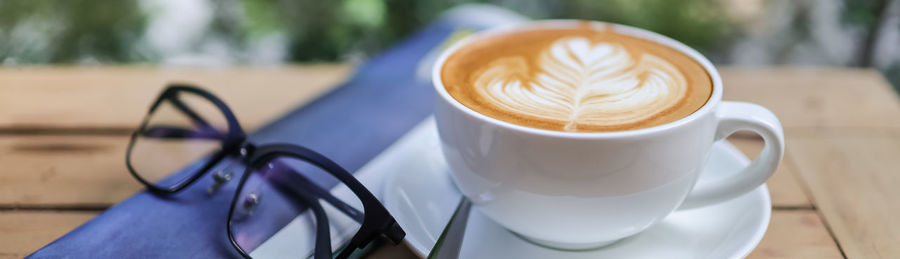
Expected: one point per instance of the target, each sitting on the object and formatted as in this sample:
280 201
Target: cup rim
714 99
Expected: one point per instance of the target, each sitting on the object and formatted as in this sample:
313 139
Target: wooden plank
853 181
796 234
390 251
117 97
64 171
78 97
23 232
786 190
817 97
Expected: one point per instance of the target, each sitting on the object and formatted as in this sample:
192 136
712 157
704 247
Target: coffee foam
578 79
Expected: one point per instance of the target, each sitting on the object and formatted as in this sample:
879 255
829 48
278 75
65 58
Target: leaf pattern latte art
581 83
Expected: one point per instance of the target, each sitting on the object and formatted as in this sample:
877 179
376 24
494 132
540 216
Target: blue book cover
386 97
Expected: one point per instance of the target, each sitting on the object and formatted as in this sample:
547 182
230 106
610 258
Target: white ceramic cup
579 190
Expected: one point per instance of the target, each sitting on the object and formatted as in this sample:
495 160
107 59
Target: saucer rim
765 201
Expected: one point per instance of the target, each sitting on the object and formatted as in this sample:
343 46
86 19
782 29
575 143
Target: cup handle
732 117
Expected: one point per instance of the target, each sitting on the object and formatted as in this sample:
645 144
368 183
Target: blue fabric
351 125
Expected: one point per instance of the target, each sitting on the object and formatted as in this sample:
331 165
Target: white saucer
421 196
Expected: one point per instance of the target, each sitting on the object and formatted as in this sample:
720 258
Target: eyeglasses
188 132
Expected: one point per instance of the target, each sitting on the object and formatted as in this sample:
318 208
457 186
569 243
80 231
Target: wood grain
64 171
390 251
23 232
118 97
853 181
786 190
796 234
817 97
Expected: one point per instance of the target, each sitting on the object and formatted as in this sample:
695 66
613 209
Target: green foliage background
109 31
104 30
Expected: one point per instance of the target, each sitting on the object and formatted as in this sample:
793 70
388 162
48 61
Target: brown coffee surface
580 79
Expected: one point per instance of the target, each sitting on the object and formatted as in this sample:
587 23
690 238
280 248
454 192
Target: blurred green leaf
262 18
697 23
72 31
861 12
367 13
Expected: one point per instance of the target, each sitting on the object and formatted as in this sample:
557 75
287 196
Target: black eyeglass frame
376 219
231 142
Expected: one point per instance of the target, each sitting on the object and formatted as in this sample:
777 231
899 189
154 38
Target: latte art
581 79
580 83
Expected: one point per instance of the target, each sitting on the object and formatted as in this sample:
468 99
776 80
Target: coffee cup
585 181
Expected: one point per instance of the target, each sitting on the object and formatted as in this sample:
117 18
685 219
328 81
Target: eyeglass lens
280 191
177 134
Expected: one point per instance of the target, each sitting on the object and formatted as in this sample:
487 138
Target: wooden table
63 132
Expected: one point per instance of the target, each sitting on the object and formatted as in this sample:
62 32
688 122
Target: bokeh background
851 33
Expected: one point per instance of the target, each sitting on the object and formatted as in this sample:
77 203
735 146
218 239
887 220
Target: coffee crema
581 79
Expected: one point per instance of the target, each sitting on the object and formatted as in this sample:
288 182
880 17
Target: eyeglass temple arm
175 132
184 108
393 232
323 234
289 180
